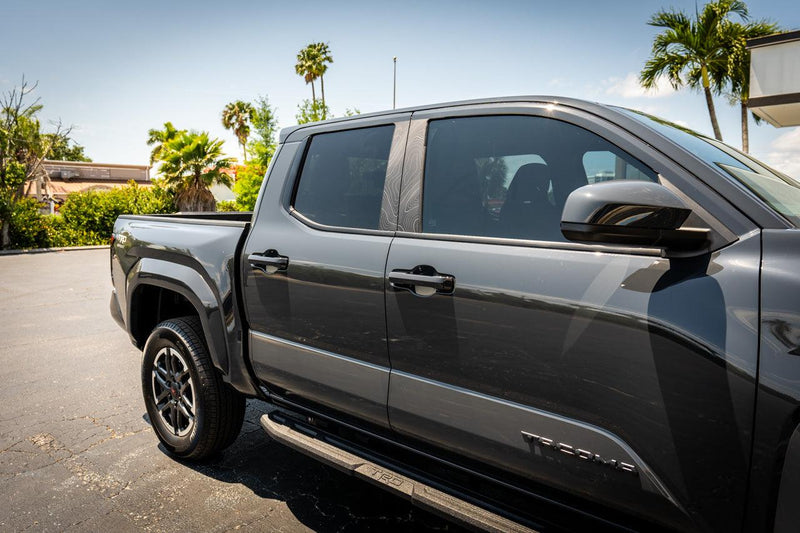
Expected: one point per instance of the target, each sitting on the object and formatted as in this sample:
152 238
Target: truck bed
185 259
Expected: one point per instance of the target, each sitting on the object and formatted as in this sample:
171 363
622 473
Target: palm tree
237 116
322 56
193 162
690 49
737 72
307 66
157 139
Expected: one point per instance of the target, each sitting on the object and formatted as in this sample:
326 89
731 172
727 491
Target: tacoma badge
567 449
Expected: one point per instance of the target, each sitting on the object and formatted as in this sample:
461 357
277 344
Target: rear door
611 374
314 266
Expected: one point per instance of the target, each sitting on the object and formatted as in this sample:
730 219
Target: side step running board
417 493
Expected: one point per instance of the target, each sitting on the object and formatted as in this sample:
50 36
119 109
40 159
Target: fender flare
190 284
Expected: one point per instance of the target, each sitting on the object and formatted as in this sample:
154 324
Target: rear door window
342 178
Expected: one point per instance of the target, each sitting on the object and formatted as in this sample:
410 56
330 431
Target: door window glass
607 166
509 176
341 182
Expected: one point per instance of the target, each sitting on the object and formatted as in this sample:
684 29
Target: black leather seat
527 212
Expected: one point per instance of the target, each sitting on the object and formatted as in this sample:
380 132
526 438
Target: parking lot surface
76 453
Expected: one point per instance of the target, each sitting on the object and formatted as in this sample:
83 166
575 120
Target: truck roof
573 102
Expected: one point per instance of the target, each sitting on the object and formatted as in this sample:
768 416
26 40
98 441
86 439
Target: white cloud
629 87
784 153
787 142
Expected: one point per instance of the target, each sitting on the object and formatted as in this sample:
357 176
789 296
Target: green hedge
226 206
85 218
27 228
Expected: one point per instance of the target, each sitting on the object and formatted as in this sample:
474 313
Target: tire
193 412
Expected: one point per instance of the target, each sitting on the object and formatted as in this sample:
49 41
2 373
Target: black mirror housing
630 213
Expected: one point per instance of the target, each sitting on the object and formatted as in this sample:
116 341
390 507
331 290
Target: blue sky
116 69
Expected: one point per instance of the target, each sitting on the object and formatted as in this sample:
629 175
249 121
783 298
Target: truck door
313 266
611 374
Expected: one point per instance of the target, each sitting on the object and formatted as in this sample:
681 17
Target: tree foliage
23 147
237 117
733 78
323 57
191 162
265 128
310 111
306 67
248 184
158 138
64 149
493 171
690 49
312 64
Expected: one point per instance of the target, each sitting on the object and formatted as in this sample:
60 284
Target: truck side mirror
630 213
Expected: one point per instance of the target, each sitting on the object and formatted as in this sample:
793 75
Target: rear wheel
194 413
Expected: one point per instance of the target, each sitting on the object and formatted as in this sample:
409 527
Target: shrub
27 226
92 214
61 234
226 205
86 218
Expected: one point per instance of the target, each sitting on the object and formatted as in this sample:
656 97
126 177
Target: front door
613 375
314 268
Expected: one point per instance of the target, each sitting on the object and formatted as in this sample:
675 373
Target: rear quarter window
342 178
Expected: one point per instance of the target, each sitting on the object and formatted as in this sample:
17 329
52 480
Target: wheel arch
159 290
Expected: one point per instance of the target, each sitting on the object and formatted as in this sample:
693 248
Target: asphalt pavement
77 454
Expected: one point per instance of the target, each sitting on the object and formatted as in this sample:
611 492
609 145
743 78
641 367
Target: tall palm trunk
322 87
745 127
195 196
313 93
710 103
244 149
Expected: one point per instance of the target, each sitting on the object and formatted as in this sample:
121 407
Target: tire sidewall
169 335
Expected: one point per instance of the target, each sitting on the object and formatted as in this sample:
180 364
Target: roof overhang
775 78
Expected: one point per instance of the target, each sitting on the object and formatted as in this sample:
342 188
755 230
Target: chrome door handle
420 278
269 262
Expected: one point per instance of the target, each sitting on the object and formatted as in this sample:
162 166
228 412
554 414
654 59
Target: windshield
776 189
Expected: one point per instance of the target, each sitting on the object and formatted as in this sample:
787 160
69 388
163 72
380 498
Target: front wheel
194 413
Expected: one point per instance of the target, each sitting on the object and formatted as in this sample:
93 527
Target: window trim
410 221
394 171
529 243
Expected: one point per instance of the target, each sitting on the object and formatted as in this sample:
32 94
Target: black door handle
423 280
269 262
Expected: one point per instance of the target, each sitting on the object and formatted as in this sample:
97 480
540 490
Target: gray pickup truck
525 313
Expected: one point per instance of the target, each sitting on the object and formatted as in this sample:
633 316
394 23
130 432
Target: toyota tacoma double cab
527 313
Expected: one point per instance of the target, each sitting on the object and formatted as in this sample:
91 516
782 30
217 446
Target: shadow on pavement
320 497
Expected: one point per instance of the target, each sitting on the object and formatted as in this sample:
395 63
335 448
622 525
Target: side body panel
640 360
647 363
318 327
775 478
